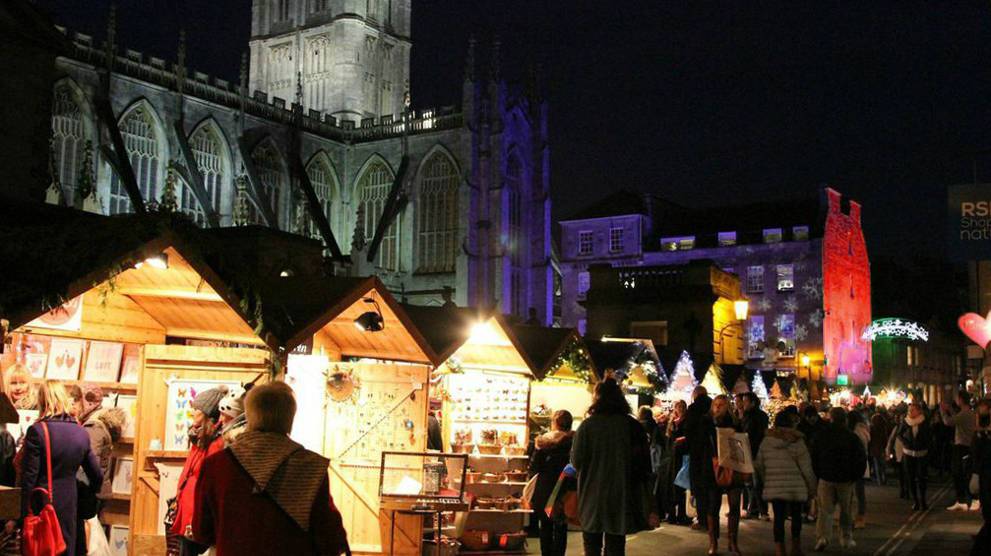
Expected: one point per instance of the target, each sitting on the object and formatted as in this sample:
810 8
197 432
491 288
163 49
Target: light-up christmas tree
713 380
776 390
683 380
758 387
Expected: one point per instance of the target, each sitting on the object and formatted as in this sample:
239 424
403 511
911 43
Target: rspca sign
968 231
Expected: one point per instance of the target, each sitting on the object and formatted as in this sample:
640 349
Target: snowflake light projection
813 288
815 318
791 304
801 332
762 305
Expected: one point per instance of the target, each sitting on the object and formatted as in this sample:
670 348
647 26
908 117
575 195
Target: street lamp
740 309
807 363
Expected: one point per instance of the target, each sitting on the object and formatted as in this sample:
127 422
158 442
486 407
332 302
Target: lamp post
740 309
806 362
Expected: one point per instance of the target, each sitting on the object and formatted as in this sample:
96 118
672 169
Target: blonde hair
270 408
52 399
30 396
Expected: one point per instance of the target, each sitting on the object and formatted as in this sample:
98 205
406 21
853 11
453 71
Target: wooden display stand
162 364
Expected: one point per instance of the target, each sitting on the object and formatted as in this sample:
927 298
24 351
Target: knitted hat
208 401
233 403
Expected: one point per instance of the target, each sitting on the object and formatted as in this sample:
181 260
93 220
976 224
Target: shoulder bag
42 534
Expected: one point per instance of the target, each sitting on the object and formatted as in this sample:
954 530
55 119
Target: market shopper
611 454
981 449
18 384
232 420
880 431
858 424
719 417
963 422
552 453
838 460
204 440
266 490
915 434
784 468
57 435
698 440
674 496
754 422
896 454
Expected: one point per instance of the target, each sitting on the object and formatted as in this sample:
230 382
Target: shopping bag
683 478
529 489
690 509
549 506
733 450
96 539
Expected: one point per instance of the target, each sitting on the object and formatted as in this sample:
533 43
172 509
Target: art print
36 364
103 361
179 409
68 316
64 359
129 403
123 476
119 536
131 365
734 450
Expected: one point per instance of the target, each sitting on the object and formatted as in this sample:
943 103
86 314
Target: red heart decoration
976 327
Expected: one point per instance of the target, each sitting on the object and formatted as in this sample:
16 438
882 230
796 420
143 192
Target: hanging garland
576 358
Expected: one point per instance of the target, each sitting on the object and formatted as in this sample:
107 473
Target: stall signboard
179 409
968 222
68 316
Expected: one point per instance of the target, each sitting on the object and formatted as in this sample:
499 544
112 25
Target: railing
200 85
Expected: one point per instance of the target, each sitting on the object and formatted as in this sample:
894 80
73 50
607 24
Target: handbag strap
48 461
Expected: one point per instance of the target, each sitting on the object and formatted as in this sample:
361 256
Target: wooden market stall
563 370
191 309
484 388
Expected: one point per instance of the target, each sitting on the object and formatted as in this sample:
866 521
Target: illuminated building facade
784 253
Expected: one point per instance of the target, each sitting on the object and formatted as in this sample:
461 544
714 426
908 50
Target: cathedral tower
352 56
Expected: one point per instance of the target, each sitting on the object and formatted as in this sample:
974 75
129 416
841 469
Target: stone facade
777 250
472 218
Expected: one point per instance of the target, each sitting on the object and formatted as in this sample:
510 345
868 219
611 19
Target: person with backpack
784 468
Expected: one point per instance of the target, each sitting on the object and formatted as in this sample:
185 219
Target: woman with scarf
674 496
204 441
915 435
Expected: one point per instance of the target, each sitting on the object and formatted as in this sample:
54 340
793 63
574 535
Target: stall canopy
474 338
195 284
621 355
544 346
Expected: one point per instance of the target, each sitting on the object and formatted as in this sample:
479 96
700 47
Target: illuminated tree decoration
713 380
896 328
758 387
683 380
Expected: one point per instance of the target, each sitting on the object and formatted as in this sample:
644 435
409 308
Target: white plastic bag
96 539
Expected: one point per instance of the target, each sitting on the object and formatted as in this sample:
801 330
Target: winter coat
880 431
964 423
8 448
711 450
783 465
754 423
612 457
895 446
552 453
70 450
838 456
698 440
267 495
104 427
186 491
918 440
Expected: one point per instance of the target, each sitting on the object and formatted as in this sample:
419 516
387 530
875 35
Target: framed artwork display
103 361
129 403
64 359
36 363
68 316
123 476
119 536
179 411
131 365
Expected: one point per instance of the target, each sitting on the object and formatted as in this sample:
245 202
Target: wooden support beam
390 211
316 210
171 293
190 172
119 161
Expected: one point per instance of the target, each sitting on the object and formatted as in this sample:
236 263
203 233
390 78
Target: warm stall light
741 307
485 334
806 360
159 261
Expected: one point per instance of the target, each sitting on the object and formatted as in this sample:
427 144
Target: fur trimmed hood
786 435
113 418
552 439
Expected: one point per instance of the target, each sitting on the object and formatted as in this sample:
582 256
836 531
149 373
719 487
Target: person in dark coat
915 433
698 441
552 453
880 430
981 448
754 422
267 494
838 459
719 417
70 450
671 494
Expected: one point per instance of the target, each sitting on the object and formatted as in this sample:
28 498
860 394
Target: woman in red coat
204 441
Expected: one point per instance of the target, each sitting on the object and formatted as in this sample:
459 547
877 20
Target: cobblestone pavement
892 529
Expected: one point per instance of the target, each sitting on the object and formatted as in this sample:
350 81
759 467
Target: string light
896 328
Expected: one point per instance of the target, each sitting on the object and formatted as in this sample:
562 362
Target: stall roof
454 331
544 344
615 354
210 290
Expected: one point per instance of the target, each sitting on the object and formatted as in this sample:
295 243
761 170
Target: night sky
700 102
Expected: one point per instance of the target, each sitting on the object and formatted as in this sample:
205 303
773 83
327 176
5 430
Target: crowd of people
244 485
810 463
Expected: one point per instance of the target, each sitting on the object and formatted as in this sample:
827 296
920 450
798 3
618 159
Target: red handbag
41 534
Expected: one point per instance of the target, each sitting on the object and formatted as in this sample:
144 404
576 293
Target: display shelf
166 454
489 421
116 386
498 511
521 456
121 497
502 483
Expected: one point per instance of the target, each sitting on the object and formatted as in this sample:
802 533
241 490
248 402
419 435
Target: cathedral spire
470 59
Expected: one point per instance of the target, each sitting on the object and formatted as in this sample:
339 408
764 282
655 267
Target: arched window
141 141
271 174
68 136
322 179
208 151
515 235
437 215
373 192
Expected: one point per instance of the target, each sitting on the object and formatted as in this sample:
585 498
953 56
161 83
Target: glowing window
437 215
800 233
209 156
68 137
373 192
616 240
785 277
268 164
755 279
772 235
144 151
755 336
584 283
322 179
726 239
